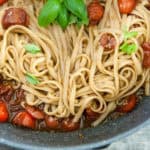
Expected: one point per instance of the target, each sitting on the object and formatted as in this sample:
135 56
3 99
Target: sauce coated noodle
74 71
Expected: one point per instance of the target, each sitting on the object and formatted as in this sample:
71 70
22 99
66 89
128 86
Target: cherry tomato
126 6
52 122
69 125
35 112
2 1
146 49
108 42
24 119
131 103
95 12
90 114
3 112
146 46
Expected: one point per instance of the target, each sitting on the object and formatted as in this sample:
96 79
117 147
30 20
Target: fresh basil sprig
78 8
64 12
49 12
63 17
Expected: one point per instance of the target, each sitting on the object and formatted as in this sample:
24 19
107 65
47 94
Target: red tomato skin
24 119
2 2
68 125
146 50
131 103
4 115
52 122
90 114
35 112
95 12
126 6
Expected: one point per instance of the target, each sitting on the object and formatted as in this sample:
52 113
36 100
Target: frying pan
89 138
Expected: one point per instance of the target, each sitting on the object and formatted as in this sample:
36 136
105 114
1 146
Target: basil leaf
32 48
73 19
78 8
131 49
80 22
128 48
49 12
32 79
124 46
63 17
128 35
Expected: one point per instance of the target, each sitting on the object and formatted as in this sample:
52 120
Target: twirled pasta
73 69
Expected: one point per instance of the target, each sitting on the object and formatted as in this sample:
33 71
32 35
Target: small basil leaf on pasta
128 48
49 12
32 79
32 48
128 35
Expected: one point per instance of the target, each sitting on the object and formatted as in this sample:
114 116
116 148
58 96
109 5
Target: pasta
74 71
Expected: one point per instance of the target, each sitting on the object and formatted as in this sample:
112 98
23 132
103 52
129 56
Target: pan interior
93 137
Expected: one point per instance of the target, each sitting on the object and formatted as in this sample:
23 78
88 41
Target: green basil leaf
32 48
32 79
128 48
49 12
124 46
131 49
63 17
73 19
128 35
78 8
81 22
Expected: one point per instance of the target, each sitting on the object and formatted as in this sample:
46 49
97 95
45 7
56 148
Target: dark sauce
14 97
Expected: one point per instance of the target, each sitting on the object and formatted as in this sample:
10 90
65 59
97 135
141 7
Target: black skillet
86 139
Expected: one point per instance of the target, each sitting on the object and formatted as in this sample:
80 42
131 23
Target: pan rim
80 147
